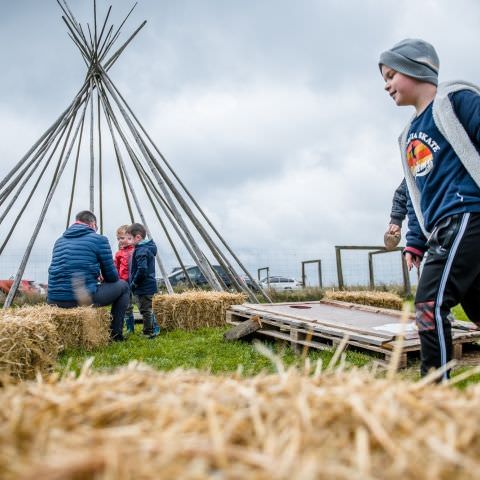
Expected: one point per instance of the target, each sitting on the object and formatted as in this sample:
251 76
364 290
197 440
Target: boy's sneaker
150 335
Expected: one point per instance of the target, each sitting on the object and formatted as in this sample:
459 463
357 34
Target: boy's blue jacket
79 252
445 185
142 273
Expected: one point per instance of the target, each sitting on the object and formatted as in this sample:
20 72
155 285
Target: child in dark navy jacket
440 150
142 274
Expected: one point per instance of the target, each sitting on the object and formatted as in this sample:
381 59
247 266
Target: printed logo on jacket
420 150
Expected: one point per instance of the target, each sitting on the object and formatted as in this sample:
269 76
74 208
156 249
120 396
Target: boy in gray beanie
413 57
440 149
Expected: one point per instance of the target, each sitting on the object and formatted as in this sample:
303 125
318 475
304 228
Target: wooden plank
318 311
366 308
294 339
321 346
403 362
315 328
298 330
272 326
462 325
301 318
243 329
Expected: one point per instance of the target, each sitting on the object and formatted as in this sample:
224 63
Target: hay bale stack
375 299
28 344
194 309
138 423
81 327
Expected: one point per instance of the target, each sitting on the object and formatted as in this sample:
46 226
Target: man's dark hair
86 216
137 229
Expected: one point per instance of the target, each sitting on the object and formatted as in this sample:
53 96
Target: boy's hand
392 236
412 260
393 229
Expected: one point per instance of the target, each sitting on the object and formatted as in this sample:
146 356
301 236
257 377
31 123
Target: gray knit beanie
413 57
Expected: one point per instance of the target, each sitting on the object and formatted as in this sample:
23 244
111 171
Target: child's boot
130 321
156 327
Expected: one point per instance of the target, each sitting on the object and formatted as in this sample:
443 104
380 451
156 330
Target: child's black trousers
451 275
144 303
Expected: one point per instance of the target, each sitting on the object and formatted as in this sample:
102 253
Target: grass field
202 349
205 349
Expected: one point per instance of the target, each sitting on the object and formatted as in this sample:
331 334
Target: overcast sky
272 112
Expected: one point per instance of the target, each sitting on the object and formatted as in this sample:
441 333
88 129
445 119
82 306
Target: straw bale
194 309
28 345
139 423
373 298
81 327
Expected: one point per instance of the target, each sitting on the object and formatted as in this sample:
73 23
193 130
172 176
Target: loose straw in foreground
139 423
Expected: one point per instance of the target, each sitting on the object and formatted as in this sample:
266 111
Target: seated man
80 257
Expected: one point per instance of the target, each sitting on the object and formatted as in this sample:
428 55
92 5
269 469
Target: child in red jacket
122 263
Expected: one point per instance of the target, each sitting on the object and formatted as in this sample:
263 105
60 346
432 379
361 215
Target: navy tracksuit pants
451 275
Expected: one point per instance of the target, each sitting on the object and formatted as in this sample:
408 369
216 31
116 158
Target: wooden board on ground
325 323
243 329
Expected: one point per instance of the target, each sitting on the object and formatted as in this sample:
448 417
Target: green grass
202 349
205 349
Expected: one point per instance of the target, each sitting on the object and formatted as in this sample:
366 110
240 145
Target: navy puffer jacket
79 252
142 274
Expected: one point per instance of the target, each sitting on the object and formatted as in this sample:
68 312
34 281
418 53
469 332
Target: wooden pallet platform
324 324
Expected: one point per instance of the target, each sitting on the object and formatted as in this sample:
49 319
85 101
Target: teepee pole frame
175 213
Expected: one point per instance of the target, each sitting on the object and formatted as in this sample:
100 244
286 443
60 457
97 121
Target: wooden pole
32 191
74 179
92 155
26 256
100 162
338 255
207 270
130 186
190 196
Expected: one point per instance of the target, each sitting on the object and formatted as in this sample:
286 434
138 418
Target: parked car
177 276
280 283
250 284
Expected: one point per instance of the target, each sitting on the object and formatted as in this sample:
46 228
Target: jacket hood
77 230
150 245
